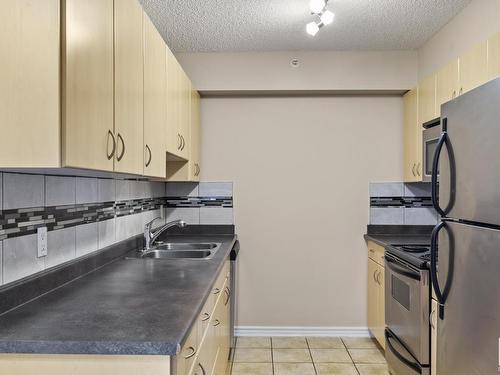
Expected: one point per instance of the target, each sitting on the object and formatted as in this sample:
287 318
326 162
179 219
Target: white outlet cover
42 242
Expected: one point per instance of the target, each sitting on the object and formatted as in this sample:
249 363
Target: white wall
476 23
301 168
320 70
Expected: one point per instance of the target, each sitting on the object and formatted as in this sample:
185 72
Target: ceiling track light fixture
318 9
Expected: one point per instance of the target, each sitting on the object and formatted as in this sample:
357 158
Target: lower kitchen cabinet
376 292
434 321
206 350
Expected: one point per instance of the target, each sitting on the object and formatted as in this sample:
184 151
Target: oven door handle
413 365
401 270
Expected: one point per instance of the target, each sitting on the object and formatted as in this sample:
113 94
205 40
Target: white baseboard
302 331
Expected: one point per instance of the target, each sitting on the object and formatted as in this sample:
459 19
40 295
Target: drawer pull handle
193 352
205 317
216 322
216 291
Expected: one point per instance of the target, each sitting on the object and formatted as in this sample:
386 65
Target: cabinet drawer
376 252
187 355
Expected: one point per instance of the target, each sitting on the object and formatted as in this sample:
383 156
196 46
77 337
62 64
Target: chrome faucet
151 236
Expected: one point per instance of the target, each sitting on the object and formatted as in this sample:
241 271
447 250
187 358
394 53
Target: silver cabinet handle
110 155
202 369
199 170
431 319
180 141
461 91
378 278
228 295
418 169
205 317
216 291
196 169
413 169
120 138
150 156
193 352
375 275
183 142
454 94
216 322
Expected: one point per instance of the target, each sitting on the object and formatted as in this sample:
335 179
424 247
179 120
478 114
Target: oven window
430 150
400 292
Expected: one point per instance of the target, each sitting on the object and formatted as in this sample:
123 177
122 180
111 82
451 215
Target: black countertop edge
31 287
399 230
201 230
89 347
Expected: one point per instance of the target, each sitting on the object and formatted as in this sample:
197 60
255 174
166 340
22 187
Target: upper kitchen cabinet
29 89
155 96
427 100
473 68
195 136
494 57
128 80
88 139
178 107
447 84
412 138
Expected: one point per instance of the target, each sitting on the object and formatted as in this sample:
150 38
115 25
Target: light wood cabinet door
427 100
372 296
129 68
494 56
411 146
29 83
473 68
184 113
87 102
172 104
195 137
447 84
155 94
380 328
434 343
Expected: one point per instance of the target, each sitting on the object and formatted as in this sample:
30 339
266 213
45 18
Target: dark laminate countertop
393 239
135 307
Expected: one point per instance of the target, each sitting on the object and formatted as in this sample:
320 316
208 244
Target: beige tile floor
308 356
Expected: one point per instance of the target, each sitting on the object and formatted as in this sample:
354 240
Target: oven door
430 140
407 293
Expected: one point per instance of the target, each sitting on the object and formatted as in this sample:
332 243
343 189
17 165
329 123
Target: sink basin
179 254
186 246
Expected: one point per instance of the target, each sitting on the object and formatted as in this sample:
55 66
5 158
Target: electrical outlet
42 242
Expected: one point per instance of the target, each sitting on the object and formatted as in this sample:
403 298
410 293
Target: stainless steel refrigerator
465 246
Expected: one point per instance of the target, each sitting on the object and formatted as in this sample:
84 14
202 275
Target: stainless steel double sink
177 250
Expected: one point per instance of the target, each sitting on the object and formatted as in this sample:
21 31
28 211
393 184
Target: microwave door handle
402 270
413 365
443 138
433 271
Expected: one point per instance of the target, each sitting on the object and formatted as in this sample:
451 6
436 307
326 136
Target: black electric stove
418 255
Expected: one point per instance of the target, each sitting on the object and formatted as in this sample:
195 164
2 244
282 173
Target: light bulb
312 28
327 17
317 5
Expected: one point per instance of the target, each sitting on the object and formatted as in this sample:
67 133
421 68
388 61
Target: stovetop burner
414 249
417 254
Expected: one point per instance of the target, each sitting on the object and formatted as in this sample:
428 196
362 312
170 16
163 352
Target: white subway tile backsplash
128 226
20 258
386 189
60 246
106 190
216 216
417 189
182 189
87 190
189 215
216 189
86 239
158 189
140 190
60 191
387 215
123 190
23 190
106 233
420 216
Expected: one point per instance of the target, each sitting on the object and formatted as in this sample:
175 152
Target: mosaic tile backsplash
83 215
398 203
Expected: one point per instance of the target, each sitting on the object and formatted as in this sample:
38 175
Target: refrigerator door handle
435 165
434 276
413 365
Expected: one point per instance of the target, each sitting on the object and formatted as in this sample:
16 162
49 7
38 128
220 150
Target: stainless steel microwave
430 137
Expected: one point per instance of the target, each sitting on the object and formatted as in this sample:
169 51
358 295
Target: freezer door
470 167
468 274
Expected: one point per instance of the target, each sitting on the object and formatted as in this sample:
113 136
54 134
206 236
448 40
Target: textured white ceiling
274 25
